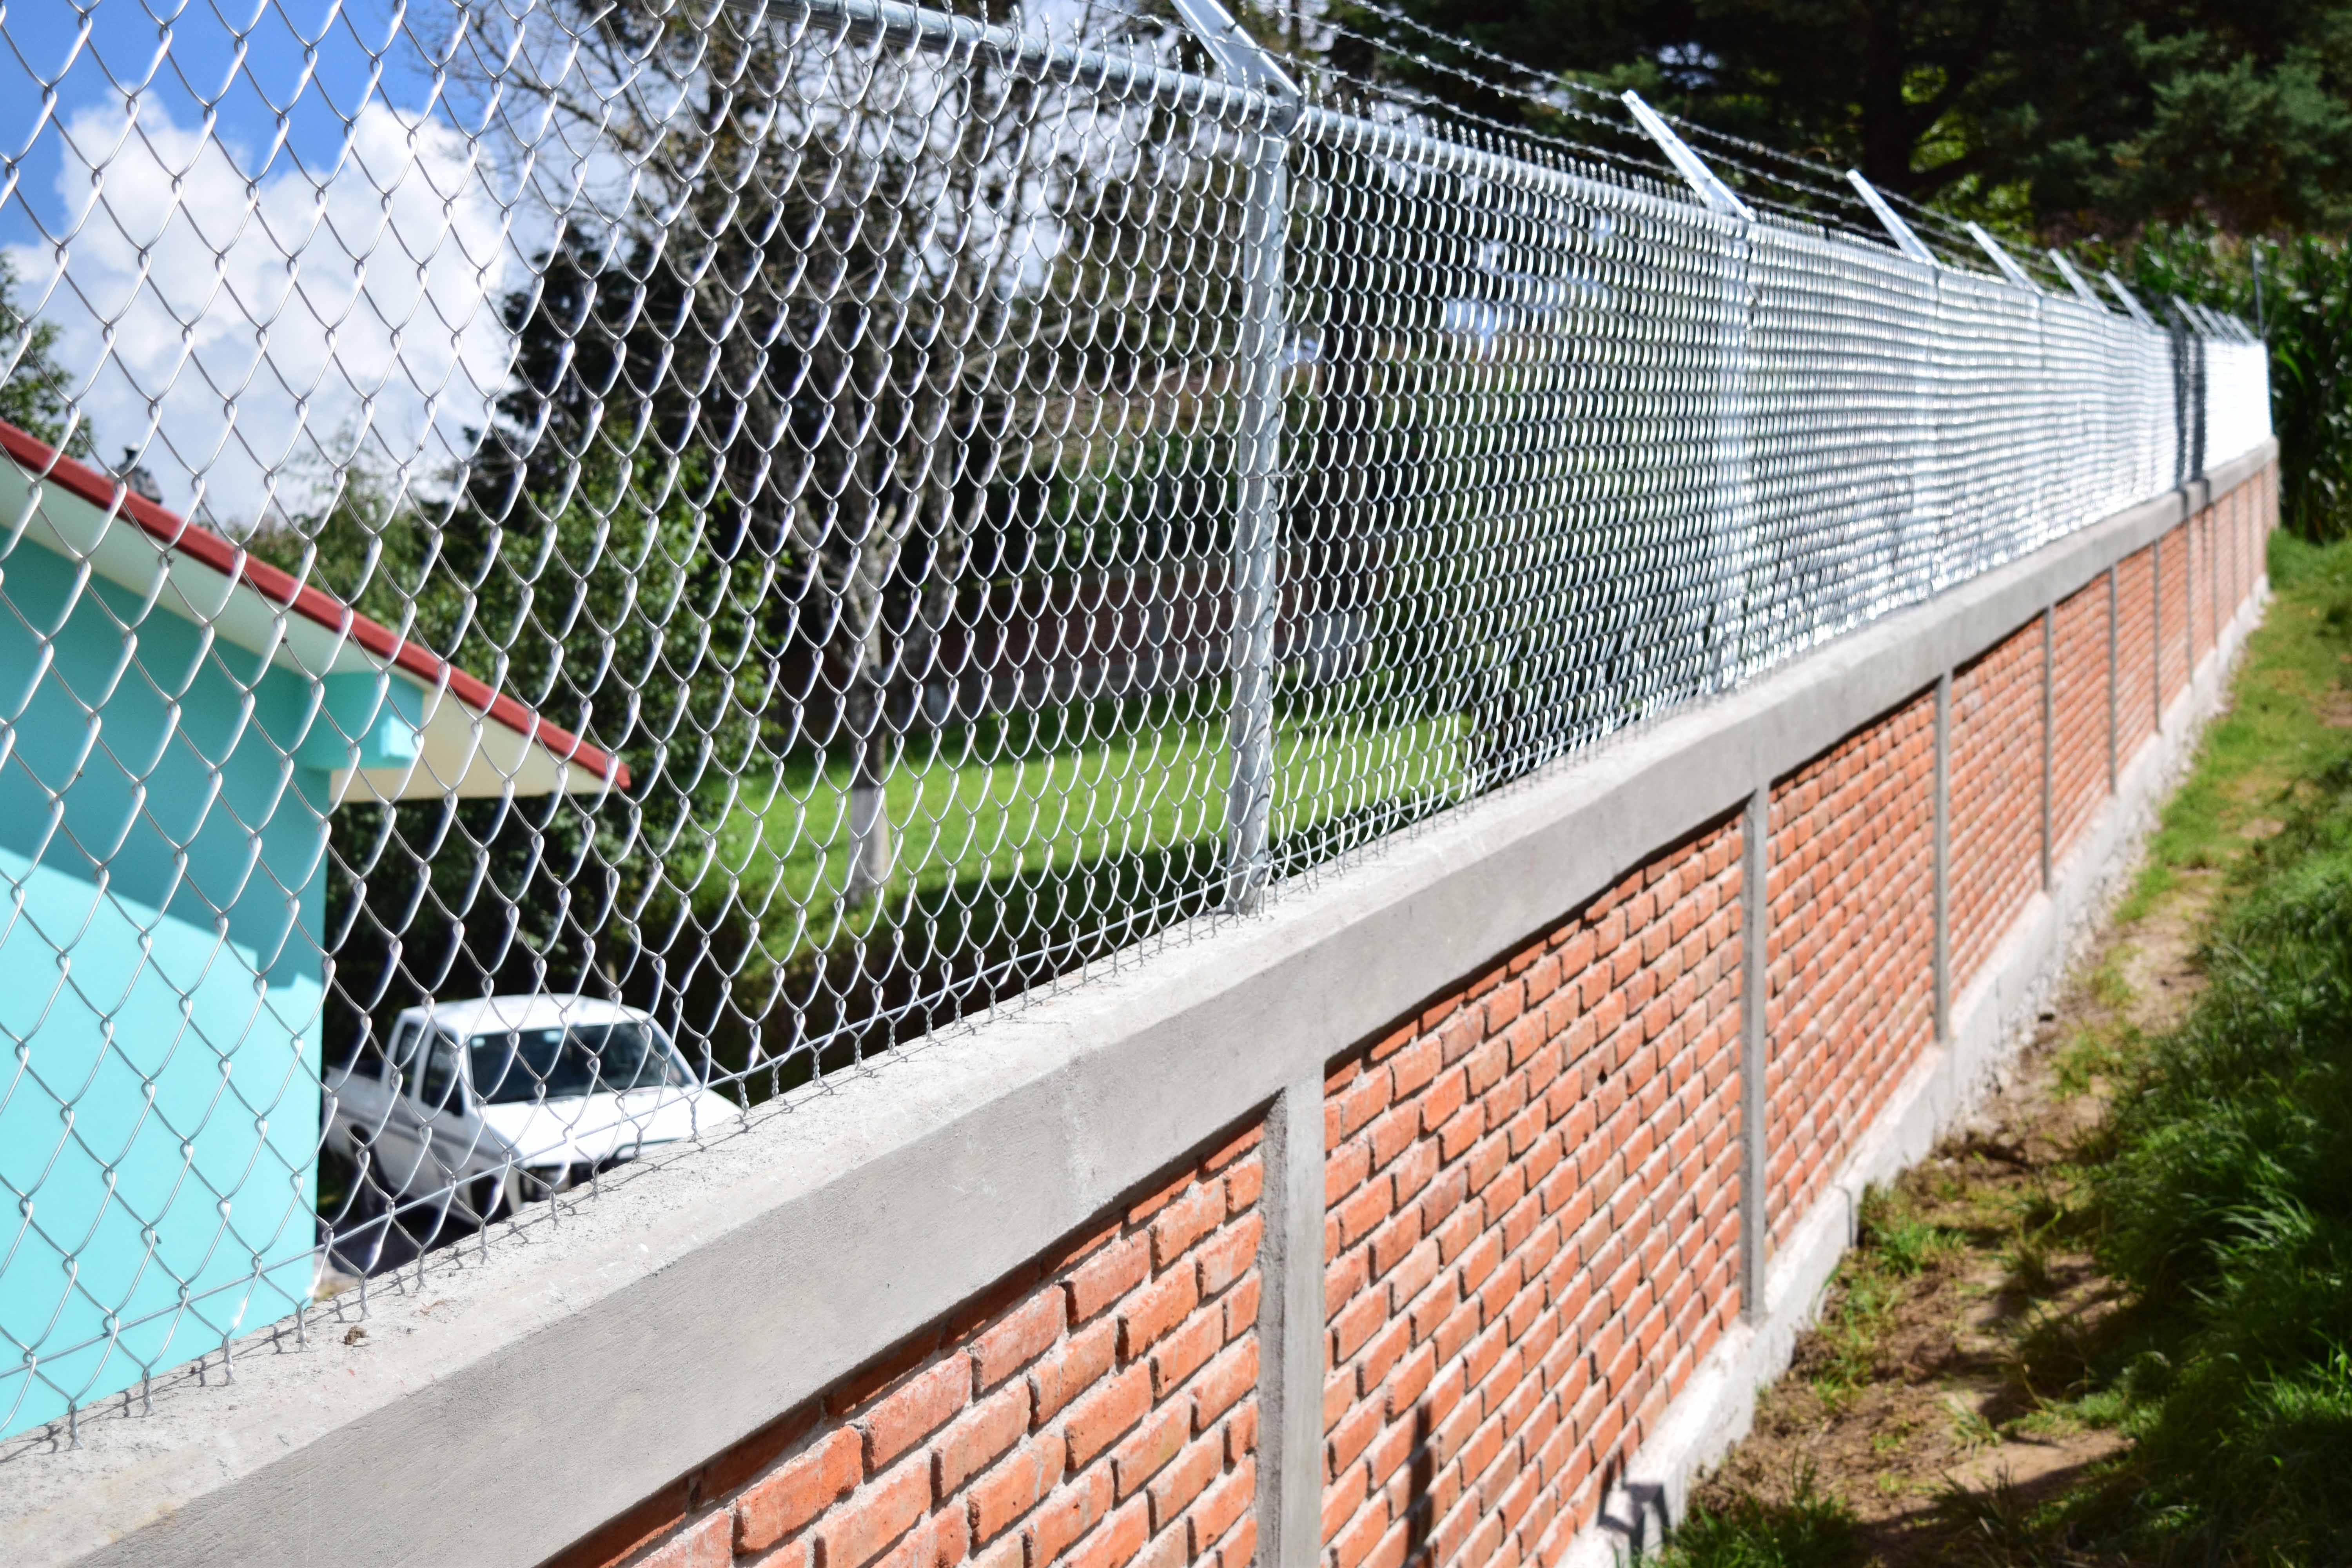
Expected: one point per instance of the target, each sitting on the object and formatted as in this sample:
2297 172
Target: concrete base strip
698 1297
1991 1020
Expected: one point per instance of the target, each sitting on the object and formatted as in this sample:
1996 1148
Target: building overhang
394 721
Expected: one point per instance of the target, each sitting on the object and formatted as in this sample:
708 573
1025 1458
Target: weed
1972 1428
2028 1256
2000 1527
1902 1243
2046 1421
1810 1530
2094 1055
2108 986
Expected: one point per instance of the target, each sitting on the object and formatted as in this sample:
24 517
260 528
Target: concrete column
2049 732
1291 1334
1755 1050
1944 856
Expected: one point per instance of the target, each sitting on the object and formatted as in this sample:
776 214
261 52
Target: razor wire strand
697 546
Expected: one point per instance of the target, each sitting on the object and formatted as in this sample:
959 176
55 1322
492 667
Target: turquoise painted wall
161 853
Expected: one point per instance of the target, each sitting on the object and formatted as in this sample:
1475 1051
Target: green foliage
2300 290
1893 1246
2093 117
35 394
592 606
1902 1242
1809 1530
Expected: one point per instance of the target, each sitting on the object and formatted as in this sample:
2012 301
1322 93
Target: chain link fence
572 568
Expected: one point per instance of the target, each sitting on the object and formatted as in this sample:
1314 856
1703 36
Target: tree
811 287
2082 116
36 393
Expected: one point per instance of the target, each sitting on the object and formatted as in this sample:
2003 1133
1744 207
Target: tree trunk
872 849
1886 131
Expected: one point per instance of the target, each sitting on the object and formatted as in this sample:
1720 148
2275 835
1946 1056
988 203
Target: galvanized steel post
1257 541
1734 465
1257 533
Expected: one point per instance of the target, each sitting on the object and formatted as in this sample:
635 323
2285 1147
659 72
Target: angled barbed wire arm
1906 239
2138 311
1712 191
1239 58
2074 280
2000 259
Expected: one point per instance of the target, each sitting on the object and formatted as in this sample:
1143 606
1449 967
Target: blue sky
316 109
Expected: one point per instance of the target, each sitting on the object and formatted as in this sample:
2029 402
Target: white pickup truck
503 1100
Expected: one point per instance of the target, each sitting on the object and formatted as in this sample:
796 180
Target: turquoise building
176 723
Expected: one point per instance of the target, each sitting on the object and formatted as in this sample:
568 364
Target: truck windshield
518 1065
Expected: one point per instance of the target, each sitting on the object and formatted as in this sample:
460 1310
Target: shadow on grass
943 953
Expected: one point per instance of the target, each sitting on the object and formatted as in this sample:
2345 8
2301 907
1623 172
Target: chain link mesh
660 551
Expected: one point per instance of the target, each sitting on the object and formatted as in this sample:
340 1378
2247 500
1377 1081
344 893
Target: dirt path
1947 1377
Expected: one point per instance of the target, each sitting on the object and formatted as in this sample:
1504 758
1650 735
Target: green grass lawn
989 801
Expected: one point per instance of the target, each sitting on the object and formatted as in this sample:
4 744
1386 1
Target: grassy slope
2219 1196
2265 757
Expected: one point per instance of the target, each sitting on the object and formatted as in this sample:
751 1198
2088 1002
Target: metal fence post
1257 543
1257 530
1735 499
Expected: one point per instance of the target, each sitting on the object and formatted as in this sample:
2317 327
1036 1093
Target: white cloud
250 320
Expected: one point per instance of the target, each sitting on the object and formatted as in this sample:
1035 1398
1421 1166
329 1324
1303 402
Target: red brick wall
1531 1192
2202 588
2234 513
2078 697
2172 656
1533 1200
1850 949
1097 1408
1996 771
2135 655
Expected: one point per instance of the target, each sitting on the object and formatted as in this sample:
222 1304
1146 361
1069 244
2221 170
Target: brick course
1098 1407
1996 774
2200 584
2172 660
2078 698
1533 1223
1850 949
2135 655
